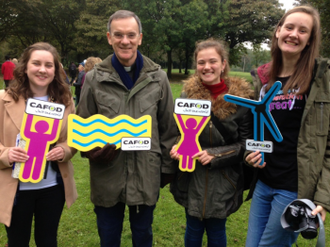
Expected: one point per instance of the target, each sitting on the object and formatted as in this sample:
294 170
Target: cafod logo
193 105
135 144
262 146
45 106
44 109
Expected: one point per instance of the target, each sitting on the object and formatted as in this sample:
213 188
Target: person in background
65 76
214 190
38 76
129 83
299 166
89 65
77 84
72 72
7 69
15 61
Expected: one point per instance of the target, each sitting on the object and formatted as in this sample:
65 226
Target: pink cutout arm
28 123
181 121
201 123
54 130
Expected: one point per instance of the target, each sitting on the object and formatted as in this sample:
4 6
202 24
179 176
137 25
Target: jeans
110 224
215 230
46 206
265 227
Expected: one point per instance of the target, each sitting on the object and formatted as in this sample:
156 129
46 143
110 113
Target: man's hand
102 155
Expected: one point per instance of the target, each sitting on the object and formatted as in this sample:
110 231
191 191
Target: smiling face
40 71
294 34
125 39
209 66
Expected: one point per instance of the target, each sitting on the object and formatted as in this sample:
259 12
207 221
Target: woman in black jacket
214 189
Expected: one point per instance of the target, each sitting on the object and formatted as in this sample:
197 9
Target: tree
40 20
249 20
323 6
168 26
92 27
17 19
174 25
260 56
57 20
193 27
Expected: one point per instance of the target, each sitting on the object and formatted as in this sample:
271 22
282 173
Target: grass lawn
178 77
78 224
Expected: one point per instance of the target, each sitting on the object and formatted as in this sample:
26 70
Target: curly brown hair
58 89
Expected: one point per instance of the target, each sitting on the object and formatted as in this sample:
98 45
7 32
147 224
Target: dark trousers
7 82
110 224
73 76
215 230
77 93
46 206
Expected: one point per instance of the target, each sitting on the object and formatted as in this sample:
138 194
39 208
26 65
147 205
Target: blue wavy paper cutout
108 134
90 143
108 124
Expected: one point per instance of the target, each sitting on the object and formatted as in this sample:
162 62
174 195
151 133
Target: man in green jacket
127 82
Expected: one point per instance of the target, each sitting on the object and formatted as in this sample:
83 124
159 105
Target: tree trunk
169 64
243 64
187 62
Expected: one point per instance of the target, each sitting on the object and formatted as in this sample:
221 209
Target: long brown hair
58 90
219 46
303 72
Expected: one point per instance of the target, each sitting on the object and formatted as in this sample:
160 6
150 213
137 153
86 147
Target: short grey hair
122 14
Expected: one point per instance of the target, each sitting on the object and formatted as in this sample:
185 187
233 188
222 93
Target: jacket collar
106 72
15 110
222 109
106 66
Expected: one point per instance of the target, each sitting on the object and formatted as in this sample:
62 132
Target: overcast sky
287 4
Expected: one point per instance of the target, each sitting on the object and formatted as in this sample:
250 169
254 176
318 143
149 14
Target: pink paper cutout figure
189 145
39 141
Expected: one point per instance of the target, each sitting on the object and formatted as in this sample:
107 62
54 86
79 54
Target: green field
78 224
177 77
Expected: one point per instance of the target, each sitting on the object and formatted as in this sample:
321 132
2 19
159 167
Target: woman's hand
254 159
56 153
321 210
17 154
203 157
174 154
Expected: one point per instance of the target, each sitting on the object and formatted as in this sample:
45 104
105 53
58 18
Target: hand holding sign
40 128
122 131
262 116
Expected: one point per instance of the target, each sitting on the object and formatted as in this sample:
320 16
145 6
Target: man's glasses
129 36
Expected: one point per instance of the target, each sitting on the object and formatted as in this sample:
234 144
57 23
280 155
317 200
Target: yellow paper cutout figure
39 133
190 128
98 130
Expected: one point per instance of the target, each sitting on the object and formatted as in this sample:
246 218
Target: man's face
125 39
80 67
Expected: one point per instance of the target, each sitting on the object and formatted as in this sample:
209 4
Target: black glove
102 155
166 179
